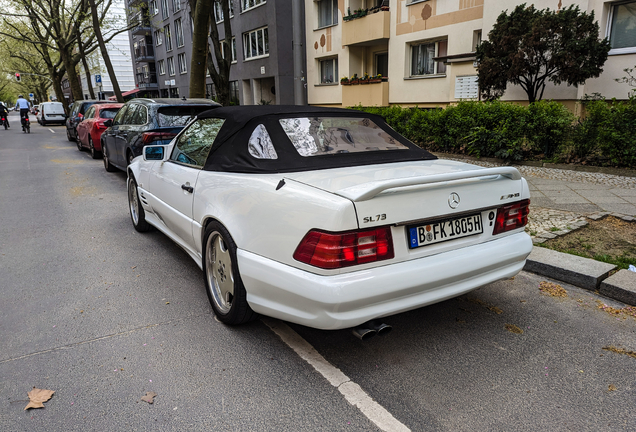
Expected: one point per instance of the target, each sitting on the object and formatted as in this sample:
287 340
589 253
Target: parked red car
90 129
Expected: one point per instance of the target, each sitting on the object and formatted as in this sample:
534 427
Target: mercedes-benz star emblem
453 200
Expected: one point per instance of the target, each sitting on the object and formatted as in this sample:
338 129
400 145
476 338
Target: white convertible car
326 217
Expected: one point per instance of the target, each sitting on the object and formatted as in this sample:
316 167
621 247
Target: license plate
424 235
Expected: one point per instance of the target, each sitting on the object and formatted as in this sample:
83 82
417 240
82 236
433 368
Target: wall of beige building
458 22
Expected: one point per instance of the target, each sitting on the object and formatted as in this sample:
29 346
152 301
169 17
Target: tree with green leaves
56 26
530 47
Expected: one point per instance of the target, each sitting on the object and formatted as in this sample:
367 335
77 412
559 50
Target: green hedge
542 130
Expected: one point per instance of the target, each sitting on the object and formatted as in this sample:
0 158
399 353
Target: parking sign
98 79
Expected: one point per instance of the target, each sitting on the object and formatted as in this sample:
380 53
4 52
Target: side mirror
108 123
154 153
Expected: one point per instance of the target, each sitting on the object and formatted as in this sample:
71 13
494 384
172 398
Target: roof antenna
280 184
183 98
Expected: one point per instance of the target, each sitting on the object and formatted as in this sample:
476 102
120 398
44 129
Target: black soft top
230 153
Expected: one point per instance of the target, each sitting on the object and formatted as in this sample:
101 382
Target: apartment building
262 69
426 48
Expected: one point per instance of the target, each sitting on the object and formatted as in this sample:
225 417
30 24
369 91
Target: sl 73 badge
375 218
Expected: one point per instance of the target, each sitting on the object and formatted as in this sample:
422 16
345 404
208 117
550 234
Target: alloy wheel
218 263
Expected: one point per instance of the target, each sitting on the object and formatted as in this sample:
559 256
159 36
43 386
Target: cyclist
23 105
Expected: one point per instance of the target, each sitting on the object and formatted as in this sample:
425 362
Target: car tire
79 144
68 135
43 122
137 213
94 153
129 157
223 283
107 165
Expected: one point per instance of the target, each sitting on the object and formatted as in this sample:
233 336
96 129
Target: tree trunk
198 63
71 74
89 82
105 56
221 77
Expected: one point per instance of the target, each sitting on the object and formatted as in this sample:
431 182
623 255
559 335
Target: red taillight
100 125
149 137
80 116
511 217
337 250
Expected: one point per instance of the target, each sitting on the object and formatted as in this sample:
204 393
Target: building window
234 93
327 13
158 37
168 37
178 29
622 28
476 39
249 4
256 43
174 92
171 66
223 53
164 93
382 64
164 9
183 67
209 91
328 71
154 9
218 11
176 5
422 56
162 67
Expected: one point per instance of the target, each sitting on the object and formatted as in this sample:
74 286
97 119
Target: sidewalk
562 200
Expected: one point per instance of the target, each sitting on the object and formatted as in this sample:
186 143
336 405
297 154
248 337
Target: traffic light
17 77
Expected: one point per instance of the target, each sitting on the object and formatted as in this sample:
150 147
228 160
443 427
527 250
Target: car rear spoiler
369 190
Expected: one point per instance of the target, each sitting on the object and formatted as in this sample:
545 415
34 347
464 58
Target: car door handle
187 188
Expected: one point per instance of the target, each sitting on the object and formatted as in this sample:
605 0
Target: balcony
367 30
144 53
366 94
141 26
147 81
137 3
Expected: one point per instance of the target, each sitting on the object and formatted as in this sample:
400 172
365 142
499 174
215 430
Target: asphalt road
102 314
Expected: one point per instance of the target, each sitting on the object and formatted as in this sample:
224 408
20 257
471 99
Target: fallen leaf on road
150 397
37 396
513 328
612 348
612 387
552 289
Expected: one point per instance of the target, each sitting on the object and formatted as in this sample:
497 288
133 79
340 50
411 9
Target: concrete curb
583 272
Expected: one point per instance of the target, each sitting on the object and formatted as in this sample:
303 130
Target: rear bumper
350 299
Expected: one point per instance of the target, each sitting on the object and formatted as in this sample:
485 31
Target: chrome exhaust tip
371 328
363 333
381 328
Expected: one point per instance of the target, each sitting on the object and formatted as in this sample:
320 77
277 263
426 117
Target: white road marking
52 131
352 392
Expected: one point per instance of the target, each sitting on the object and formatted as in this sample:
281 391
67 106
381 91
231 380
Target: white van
51 112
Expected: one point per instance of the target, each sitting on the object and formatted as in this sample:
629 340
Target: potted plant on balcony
344 81
365 79
375 79
354 79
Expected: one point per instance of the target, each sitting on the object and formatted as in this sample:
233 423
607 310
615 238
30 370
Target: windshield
313 136
108 113
179 115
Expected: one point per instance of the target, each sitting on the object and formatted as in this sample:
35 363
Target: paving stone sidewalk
563 200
